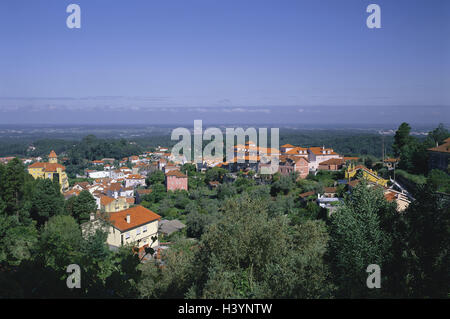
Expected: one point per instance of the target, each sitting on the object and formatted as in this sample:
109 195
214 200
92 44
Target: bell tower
53 158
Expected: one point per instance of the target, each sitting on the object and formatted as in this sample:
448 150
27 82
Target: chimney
91 217
128 218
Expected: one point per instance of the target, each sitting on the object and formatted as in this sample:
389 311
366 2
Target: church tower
52 158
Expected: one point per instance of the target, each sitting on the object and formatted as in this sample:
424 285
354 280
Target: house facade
135 226
439 156
134 180
175 180
317 155
112 205
290 165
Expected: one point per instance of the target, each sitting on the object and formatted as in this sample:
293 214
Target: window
144 229
138 231
127 235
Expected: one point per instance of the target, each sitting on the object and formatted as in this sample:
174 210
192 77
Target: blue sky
135 55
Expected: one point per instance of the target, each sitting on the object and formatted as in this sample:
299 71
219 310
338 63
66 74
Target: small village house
176 180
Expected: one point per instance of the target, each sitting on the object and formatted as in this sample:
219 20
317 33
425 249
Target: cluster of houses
329 197
303 160
118 190
119 185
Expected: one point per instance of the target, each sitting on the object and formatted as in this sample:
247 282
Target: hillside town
119 185
154 207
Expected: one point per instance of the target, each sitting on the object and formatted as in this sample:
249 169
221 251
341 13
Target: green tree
358 239
215 174
157 194
17 241
12 185
47 201
248 254
401 138
438 135
439 181
197 223
188 169
60 243
421 259
155 178
82 206
283 185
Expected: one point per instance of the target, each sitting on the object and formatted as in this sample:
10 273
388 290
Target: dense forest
91 147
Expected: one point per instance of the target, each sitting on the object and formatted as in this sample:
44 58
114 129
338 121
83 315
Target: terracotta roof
106 200
332 161
115 187
139 215
443 148
135 176
144 191
175 173
296 151
52 154
48 167
330 189
390 196
82 184
295 159
72 192
287 146
318 151
303 195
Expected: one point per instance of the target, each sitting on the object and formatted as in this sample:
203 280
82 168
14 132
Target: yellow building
51 170
136 225
368 174
112 205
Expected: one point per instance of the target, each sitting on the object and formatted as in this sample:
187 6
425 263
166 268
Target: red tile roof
332 161
443 148
144 191
318 151
390 196
330 189
106 200
296 151
48 167
52 154
175 173
115 187
135 176
307 194
139 215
